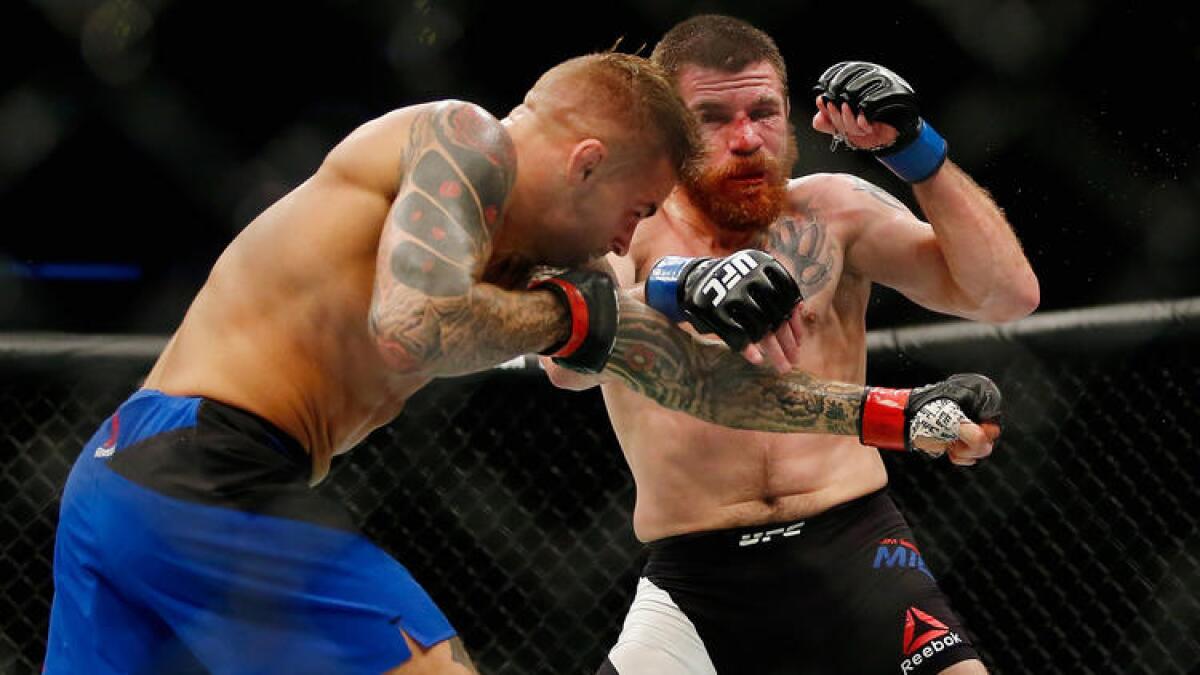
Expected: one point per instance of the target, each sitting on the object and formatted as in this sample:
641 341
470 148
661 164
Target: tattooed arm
429 313
703 378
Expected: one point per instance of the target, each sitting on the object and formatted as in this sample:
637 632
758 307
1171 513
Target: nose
744 136
627 233
625 236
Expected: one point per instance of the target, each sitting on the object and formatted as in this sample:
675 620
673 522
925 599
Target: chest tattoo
802 243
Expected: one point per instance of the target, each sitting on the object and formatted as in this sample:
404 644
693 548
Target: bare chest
809 247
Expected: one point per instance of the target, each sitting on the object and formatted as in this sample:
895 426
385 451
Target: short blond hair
627 98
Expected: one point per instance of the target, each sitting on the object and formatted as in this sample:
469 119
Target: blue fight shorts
189 541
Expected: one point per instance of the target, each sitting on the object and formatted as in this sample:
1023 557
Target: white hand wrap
937 420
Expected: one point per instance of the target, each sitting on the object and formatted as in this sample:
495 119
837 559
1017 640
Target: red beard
737 206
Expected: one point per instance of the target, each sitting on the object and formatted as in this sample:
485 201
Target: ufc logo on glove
735 268
739 297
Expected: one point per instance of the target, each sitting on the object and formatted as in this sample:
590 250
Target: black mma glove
739 298
891 418
883 96
591 301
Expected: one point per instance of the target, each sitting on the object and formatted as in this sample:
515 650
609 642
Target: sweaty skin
403 259
386 269
694 475
280 328
836 235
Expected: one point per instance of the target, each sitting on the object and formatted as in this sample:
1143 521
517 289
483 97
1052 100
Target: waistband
254 428
717 543
149 412
205 451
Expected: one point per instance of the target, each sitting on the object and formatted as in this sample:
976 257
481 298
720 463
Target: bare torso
280 328
692 475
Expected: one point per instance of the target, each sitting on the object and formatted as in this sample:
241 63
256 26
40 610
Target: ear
585 158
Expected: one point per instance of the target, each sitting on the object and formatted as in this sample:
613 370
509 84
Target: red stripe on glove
579 316
883 418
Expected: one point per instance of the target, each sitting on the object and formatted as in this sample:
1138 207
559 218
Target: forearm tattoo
429 314
706 380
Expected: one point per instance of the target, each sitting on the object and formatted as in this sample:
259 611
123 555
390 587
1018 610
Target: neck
519 235
685 215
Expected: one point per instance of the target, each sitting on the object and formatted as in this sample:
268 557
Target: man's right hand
590 298
745 298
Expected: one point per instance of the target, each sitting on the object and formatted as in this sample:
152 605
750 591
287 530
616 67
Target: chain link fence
1073 549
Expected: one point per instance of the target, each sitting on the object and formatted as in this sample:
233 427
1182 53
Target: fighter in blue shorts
188 537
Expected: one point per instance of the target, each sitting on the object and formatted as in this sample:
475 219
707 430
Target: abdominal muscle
693 476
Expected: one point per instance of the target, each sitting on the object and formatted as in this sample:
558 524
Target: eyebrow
765 100
710 106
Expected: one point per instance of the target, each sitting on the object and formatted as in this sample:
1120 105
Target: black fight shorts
846 591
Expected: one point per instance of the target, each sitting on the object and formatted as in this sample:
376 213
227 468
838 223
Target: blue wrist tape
920 159
662 286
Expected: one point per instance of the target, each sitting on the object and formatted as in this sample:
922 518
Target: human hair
719 42
628 101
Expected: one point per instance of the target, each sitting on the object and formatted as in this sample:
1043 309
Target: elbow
399 343
398 358
564 378
1018 301
1024 296
1030 297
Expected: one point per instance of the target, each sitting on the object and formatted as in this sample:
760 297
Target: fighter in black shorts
847 591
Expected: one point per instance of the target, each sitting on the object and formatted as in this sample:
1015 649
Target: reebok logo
924 636
766 535
109 446
736 267
899 553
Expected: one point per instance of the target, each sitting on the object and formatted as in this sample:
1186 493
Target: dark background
145 133
1075 549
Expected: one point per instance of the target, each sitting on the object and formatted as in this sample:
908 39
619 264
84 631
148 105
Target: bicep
889 245
905 255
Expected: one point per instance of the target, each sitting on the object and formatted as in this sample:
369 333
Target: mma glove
883 96
738 298
590 299
892 418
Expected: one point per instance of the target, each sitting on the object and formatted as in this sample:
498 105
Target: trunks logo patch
924 638
766 535
109 447
899 553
